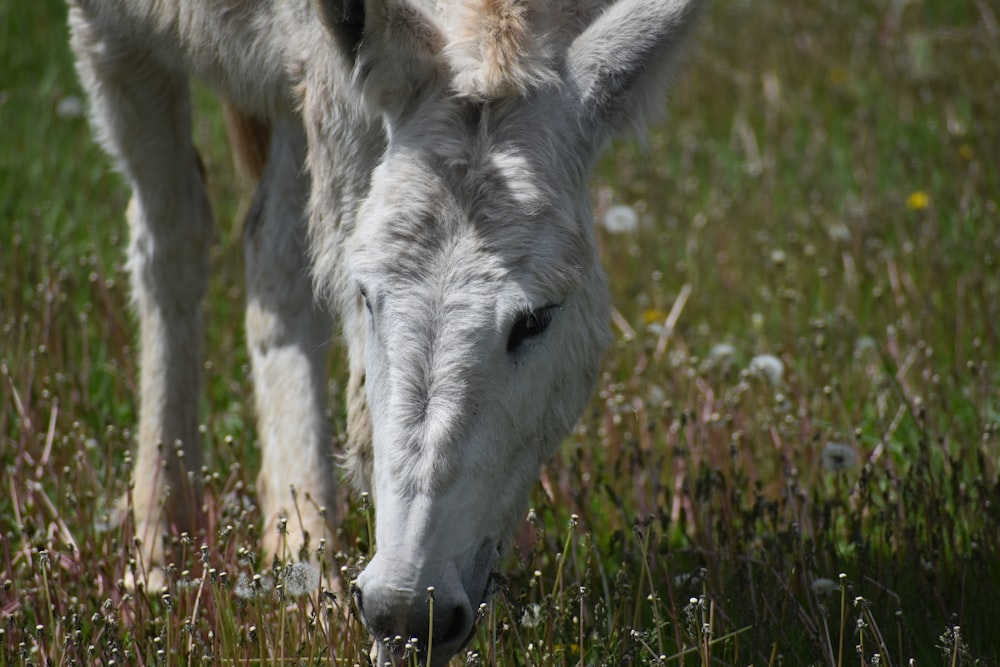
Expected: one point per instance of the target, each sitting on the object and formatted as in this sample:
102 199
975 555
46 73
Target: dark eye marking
364 297
529 324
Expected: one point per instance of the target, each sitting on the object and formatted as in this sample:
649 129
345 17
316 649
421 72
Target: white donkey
431 160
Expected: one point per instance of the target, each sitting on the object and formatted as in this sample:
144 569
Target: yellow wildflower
567 648
917 200
653 316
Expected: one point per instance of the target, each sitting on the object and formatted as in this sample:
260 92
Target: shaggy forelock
483 170
502 48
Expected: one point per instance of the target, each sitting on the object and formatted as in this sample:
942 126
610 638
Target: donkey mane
495 50
502 48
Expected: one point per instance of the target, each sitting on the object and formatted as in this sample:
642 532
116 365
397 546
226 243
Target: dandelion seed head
249 589
838 231
655 395
864 346
768 366
301 579
687 579
824 586
621 219
720 357
838 457
532 616
721 352
242 588
71 106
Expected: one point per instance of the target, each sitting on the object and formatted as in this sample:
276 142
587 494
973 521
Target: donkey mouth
449 633
485 562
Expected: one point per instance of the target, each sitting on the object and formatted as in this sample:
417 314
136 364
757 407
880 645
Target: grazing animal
424 182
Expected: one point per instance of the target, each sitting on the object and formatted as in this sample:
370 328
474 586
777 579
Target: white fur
447 149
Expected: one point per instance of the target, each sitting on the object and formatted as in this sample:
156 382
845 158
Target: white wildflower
532 615
248 589
301 579
721 352
865 346
768 366
838 231
621 219
824 586
70 106
688 579
838 457
655 396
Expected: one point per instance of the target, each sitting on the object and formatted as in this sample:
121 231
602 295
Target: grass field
792 456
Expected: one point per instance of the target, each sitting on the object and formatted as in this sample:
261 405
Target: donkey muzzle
435 605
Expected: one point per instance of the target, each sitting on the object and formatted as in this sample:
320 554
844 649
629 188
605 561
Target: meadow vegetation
791 457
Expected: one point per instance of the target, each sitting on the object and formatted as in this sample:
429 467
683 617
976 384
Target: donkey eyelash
364 299
529 324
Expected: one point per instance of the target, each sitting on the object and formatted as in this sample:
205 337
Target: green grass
826 188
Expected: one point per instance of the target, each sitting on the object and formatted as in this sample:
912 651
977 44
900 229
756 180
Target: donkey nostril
358 600
454 626
388 610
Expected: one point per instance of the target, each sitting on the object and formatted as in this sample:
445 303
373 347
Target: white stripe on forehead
472 147
425 193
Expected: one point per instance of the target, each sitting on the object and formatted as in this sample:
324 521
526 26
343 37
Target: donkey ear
621 64
394 48
345 19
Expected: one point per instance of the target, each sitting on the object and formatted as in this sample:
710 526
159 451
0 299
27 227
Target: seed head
824 586
768 366
621 219
838 457
301 578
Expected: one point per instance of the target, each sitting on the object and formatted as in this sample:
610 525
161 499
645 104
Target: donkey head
466 273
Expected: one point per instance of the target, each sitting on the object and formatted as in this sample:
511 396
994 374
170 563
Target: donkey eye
364 297
529 324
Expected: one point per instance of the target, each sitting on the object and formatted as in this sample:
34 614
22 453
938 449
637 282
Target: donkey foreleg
288 335
141 112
